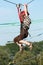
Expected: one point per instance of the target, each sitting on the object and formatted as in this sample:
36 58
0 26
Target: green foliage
24 58
13 48
7 52
21 58
10 55
40 58
27 58
37 47
4 57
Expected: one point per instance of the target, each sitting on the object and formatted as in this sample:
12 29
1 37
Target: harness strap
26 22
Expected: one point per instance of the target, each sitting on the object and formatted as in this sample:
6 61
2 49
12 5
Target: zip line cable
20 3
10 2
30 2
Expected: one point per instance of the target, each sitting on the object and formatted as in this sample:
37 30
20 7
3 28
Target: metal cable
20 3
30 2
10 2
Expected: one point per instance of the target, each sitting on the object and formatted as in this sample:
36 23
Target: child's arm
18 8
26 9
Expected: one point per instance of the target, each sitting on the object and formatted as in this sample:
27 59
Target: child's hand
18 5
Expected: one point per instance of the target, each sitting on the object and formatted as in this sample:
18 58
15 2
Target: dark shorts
21 36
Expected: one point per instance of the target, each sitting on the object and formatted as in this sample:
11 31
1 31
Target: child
25 23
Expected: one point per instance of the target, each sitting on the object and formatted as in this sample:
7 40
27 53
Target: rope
10 2
30 2
20 4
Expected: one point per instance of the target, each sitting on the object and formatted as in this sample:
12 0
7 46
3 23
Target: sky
8 12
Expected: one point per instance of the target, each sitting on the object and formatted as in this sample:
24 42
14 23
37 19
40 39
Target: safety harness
26 22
